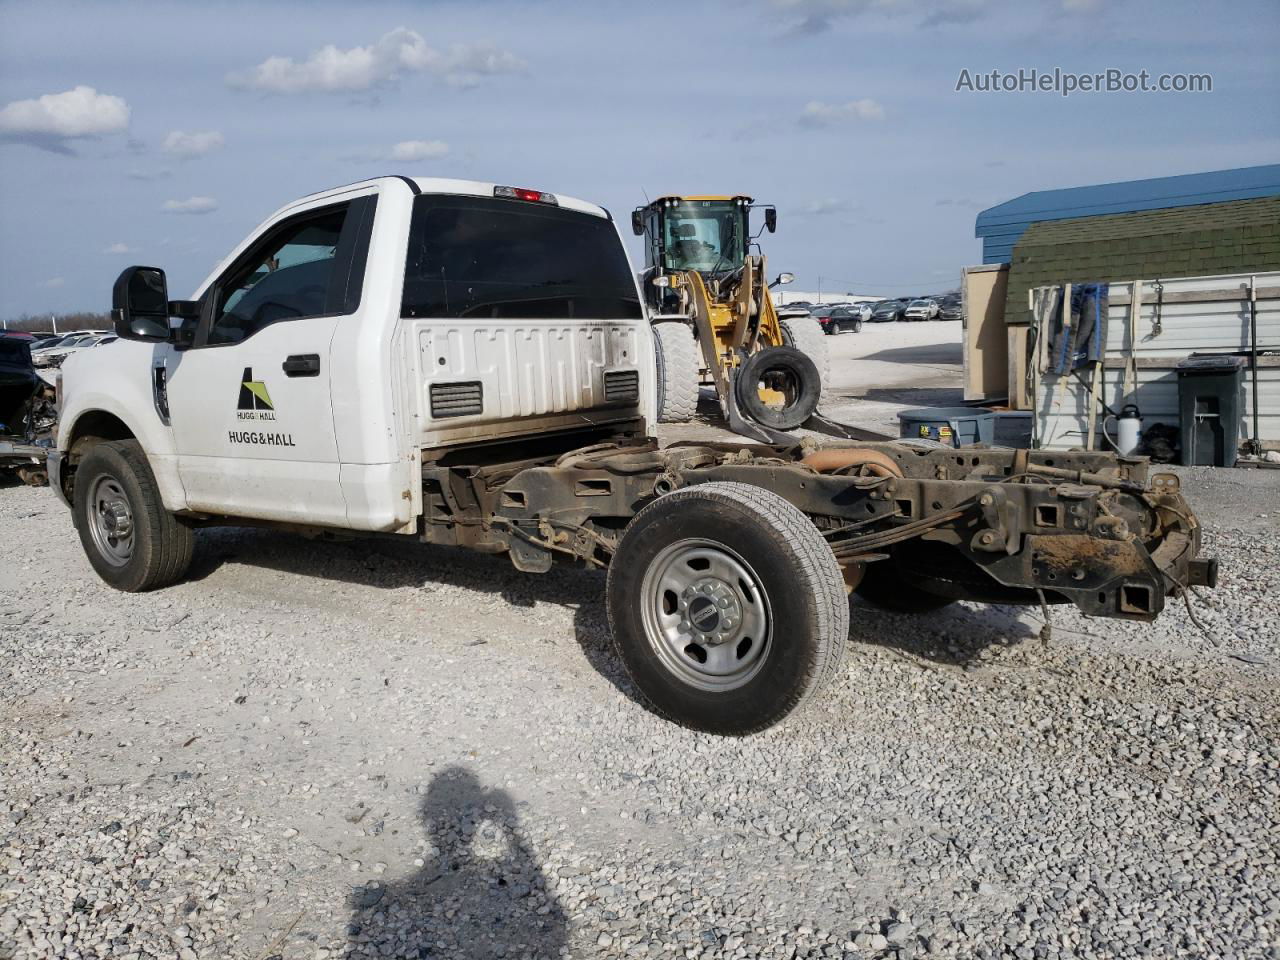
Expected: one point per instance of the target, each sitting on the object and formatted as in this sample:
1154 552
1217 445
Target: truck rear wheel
678 364
131 540
882 586
727 607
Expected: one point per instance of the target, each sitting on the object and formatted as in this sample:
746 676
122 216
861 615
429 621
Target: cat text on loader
706 293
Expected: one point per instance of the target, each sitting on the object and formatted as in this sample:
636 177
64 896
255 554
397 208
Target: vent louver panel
456 399
621 386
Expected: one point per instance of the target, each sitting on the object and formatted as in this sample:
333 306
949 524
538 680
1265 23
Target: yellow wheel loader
714 320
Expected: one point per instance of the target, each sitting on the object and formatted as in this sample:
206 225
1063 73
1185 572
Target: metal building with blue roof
1001 226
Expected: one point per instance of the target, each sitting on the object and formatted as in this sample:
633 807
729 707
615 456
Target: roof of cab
703 196
469 188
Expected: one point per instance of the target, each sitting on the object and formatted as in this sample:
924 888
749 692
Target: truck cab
356 327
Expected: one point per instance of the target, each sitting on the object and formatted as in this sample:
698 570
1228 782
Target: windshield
705 235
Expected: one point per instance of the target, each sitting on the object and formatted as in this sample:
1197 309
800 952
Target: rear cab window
480 257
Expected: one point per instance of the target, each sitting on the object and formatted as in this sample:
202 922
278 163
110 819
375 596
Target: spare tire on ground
778 387
805 334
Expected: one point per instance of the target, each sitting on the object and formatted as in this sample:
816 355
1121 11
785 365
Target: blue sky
161 133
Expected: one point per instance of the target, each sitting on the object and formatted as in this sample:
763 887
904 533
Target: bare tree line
64 322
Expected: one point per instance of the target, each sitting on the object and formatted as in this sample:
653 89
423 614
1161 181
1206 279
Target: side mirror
783 278
637 221
140 304
770 219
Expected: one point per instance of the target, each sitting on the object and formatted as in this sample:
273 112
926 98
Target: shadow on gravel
921 353
481 893
387 564
916 396
956 635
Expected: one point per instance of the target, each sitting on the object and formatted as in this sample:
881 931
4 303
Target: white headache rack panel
1173 319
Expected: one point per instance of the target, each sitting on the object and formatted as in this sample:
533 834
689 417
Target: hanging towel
1080 332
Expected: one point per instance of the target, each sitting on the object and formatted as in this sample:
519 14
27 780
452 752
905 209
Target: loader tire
805 334
727 607
678 367
784 370
131 540
882 586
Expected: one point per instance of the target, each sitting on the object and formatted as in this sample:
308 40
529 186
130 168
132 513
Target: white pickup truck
469 364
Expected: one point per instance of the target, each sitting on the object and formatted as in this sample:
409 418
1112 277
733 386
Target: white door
250 401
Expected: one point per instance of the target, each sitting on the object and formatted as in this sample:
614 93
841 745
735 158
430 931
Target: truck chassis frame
993 525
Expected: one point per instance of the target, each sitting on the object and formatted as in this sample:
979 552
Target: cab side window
287 279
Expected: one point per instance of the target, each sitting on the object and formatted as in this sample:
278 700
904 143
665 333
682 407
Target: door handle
302 365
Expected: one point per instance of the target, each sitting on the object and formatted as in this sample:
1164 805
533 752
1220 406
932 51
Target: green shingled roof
1238 237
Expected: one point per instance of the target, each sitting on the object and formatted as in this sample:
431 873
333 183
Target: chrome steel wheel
706 615
111 521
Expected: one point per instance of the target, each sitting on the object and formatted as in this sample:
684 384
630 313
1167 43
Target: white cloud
401 51
120 248
411 151
825 206
54 282
51 120
819 114
191 205
179 143
816 16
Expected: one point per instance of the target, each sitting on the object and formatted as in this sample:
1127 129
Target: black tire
159 545
806 335
857 325
790 372
678 365
792 575
882 586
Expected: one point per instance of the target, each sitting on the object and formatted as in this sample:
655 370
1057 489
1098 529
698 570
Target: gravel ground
379 750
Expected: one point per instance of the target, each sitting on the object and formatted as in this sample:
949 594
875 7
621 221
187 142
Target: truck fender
104 417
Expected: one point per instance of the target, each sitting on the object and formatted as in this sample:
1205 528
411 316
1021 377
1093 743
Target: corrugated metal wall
1218 326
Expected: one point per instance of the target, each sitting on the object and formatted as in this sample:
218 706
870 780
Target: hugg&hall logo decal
254 397
255 403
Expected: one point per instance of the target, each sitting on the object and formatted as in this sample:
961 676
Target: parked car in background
837 318
27 411
951 308
886 311
805 305
926 308
53 356
863 309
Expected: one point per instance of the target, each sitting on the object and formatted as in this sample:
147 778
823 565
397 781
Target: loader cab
710 234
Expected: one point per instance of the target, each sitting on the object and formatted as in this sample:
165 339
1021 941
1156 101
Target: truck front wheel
727 607
131 540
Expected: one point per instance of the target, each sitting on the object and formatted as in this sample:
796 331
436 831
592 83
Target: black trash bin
1210 408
